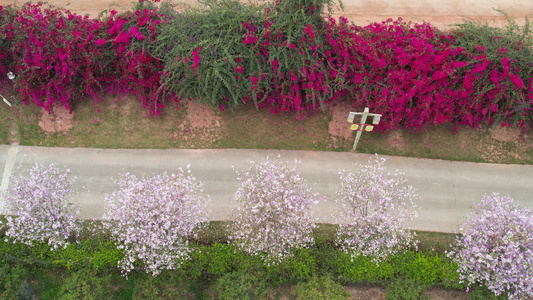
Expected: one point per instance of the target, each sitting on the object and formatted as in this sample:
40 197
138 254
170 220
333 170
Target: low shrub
406 289
360 268
241 285
85 284
321 288
214 260
12 279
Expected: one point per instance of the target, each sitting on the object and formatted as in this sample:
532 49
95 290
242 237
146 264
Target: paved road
447 189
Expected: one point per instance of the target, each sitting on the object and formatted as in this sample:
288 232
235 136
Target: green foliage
39 253
301 263
406 289
214 32
420 267
215 260
483 293
48 281
321 288
516 39
206 56
93 253
234 272
12 279
170 285
329 260
85 284
360 268
26 291
427 268
240 285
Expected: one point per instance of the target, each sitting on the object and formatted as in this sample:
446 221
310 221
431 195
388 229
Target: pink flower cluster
61 58
38 207
374 206
496 247
410 73
274 213
153 218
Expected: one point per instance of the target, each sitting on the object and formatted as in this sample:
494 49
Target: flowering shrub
152 218
283 55
496 248
274 212
501 67
415 76
374 205
38 208
58 56
289 68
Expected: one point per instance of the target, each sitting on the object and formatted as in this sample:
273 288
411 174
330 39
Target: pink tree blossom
496 247
374 206
38 207
274 212
152 218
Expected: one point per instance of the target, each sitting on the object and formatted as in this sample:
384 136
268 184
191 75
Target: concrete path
447 189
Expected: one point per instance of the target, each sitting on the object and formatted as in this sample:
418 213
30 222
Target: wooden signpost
360 127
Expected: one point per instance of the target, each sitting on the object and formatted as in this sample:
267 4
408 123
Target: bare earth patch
60 121
366 293
504 134
395 140
202 124
338 127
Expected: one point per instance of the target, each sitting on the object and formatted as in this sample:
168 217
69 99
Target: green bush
215 260
168 285
214 32
483 293
514 38
362 268
328 260
241 285
85 284
321 288
12 279
406 289
26 292
419 267
300 264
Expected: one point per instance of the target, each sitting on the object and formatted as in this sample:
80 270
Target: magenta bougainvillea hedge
285 56
60 57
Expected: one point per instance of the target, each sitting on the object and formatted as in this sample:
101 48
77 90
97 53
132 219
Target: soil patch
202 124
366 293
504 134
395 140
338 127
60 121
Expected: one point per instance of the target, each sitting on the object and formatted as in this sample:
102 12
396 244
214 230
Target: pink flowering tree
274 212
496 248
38 206
374 204
152 218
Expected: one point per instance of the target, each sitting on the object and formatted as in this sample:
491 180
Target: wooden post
359 132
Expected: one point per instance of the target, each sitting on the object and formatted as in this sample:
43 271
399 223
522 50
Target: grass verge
123 124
